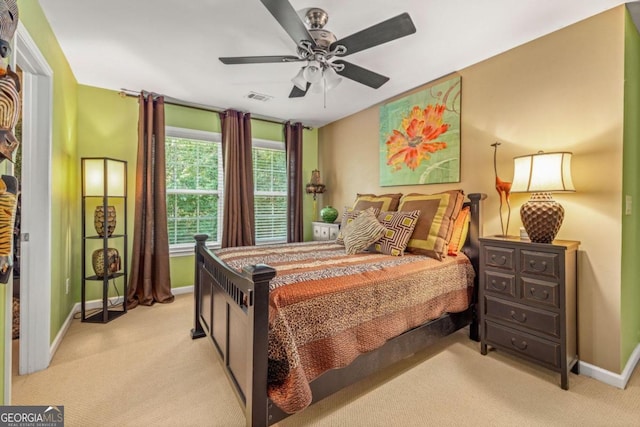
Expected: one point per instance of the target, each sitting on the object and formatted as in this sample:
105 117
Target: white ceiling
172 47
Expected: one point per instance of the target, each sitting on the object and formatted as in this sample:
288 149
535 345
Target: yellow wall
560 92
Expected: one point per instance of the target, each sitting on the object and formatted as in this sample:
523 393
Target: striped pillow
362 232
399 227
349 215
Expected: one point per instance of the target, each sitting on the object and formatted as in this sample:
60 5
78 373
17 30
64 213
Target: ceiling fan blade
288 18
297 93
385 31
361 75
258 59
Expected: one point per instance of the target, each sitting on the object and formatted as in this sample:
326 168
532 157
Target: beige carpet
143 369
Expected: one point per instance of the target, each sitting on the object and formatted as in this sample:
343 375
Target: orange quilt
327 308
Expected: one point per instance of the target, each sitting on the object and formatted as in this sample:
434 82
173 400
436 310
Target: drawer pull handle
522 319
532 264
494 285
544 294
523 344
498 260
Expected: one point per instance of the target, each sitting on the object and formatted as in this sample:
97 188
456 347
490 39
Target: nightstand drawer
535 348
321 233
523 316
325 230
540 292
500 283
539 263
499 257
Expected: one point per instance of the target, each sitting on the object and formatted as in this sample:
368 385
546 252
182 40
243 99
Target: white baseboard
616 380
63 330
182 290
90 305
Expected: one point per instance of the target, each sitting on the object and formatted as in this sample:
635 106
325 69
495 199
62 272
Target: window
270 196
195 188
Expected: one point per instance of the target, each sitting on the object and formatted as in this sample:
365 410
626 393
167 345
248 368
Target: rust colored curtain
293 146
238 223
150 281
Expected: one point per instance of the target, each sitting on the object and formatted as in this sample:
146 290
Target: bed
284 347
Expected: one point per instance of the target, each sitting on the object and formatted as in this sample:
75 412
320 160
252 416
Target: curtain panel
293 145
238 226
150 280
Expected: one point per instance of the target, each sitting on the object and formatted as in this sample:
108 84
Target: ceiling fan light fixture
299 81
313 72
331 78
317 87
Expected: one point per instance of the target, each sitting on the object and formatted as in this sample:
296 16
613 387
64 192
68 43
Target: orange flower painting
415 140
420 137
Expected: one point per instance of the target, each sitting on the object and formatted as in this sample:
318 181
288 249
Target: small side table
325 230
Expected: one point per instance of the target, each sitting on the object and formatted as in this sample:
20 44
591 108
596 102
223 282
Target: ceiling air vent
259 96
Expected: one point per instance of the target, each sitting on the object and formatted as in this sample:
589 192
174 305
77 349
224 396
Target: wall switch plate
627 205
66 286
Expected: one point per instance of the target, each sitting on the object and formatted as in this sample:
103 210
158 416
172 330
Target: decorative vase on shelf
329 214
113 262
99 220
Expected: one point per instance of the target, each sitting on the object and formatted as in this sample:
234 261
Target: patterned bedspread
327 308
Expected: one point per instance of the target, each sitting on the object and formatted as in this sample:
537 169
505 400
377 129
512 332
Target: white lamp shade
317 87
542 173
299 81
331 78
94 173
313 72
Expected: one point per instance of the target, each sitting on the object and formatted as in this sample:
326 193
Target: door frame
35 251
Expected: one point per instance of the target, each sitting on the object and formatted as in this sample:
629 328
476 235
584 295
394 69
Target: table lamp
542 174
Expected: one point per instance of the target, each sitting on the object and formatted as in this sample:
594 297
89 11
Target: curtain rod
173 101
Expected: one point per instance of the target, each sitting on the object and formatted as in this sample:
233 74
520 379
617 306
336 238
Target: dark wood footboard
232 309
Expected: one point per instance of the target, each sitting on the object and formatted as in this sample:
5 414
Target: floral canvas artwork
420 137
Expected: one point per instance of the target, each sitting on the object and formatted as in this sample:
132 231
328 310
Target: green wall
65 251
182 266
104 125
630 287
107 126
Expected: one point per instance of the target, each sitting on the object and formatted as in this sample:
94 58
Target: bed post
257 400
473 252
197 331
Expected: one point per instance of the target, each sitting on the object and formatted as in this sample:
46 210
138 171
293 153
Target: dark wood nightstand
528 301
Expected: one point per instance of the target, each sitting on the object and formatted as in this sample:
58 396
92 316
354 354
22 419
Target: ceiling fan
320 48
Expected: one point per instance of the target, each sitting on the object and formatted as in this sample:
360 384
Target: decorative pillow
460 231
399 227
435 225
362 232
349 215
383 202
